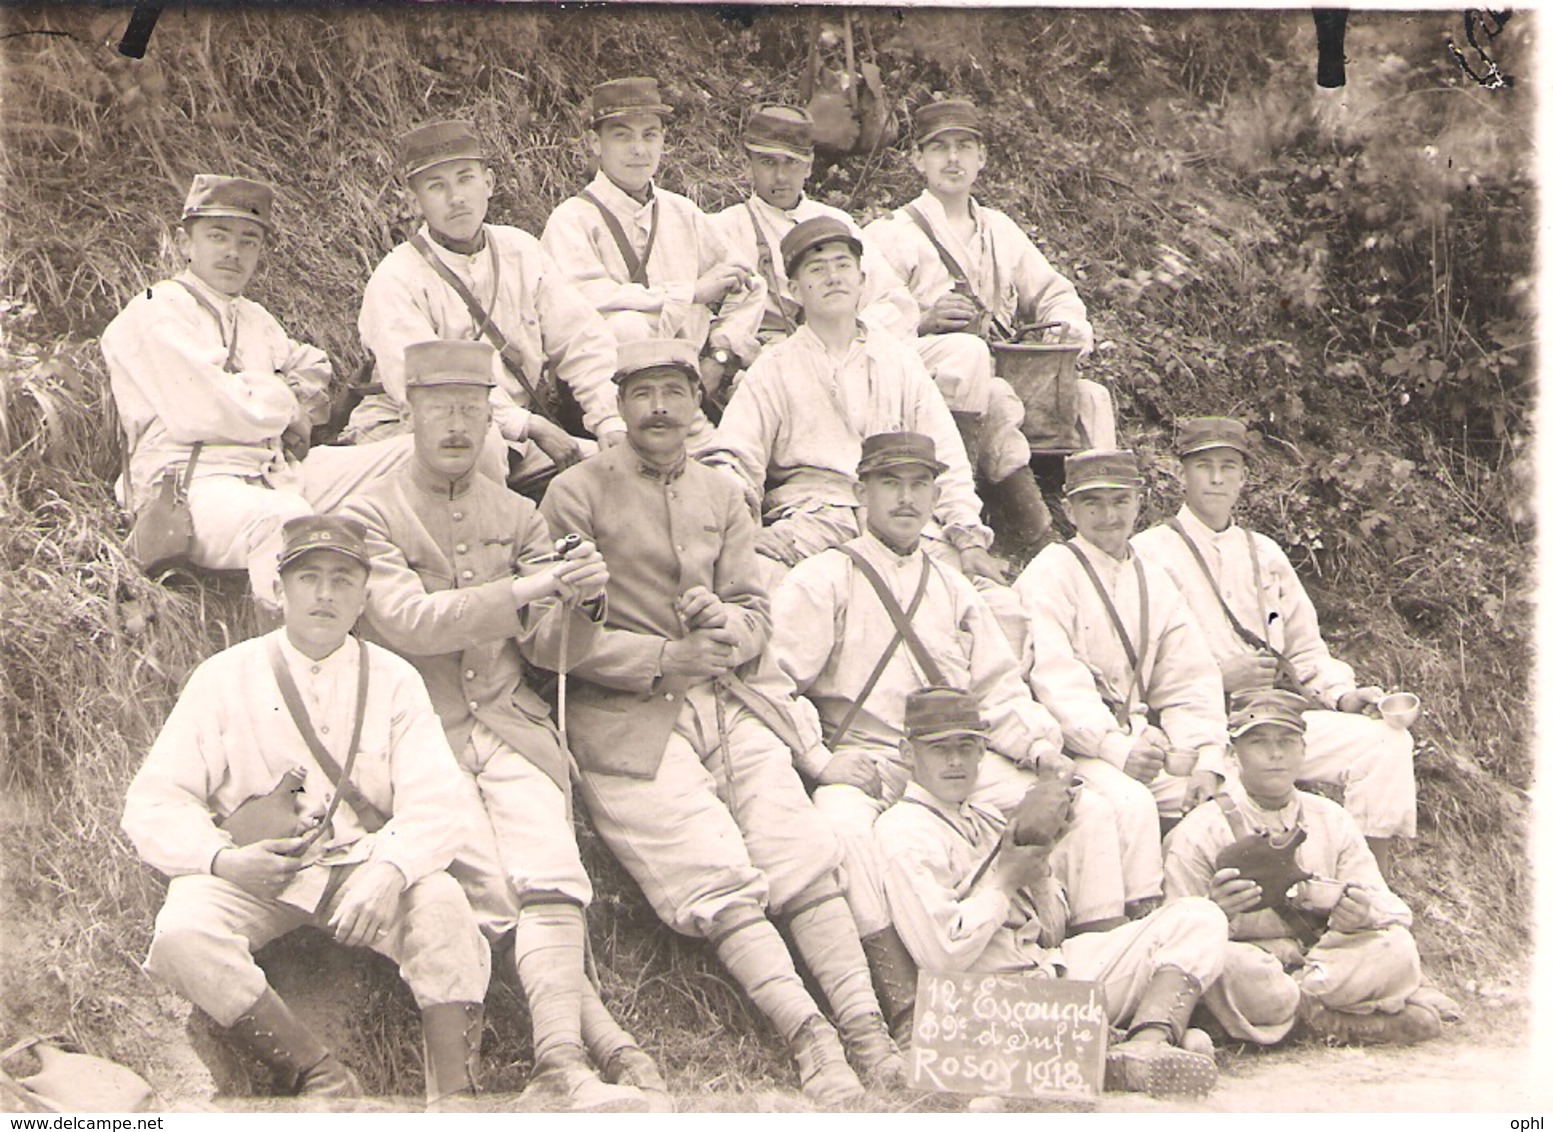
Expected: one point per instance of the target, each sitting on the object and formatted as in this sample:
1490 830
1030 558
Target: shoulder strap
1232 814
230 365
372 818
1134 660
951 265
484 326
636 266
903 631
767 265
188 469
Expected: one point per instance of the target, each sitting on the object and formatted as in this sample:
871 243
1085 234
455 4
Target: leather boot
1162 1068
303 1065
969 425
564 1081
874 1055
895 981
1024 523
823 1072
620 1059
450 1039
1380 849
1413 1023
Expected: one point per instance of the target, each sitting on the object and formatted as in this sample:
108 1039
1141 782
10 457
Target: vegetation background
1350 271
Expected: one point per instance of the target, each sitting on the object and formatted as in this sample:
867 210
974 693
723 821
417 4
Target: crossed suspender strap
1285 665
635 266
484 326
952 265
767 265
230 365
371 817
903 632
1123 710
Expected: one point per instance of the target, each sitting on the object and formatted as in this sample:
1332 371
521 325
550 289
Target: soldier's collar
648 470
439 485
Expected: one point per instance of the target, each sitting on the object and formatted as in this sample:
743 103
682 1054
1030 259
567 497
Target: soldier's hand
262 868
951 313
771 544
581 575
1249 670
1233 894
1020 866
699 608
554 441
1200 786
852 768
977 562
714 286
1146 758
1352 911
703 654
1360 698
366 904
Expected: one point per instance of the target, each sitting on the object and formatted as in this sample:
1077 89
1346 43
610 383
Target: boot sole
1171 1072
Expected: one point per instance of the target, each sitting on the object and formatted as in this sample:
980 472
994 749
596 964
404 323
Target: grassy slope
1170 164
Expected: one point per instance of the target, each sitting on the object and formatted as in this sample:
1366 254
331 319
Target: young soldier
461 278
798 419
452 592
649 260
976 275
780 145
358 848
1262 630
210 389
957 912
686 780
1116 657
1346 965
858 628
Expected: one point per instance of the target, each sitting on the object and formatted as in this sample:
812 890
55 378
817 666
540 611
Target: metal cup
1180 763
1399 710
1320 894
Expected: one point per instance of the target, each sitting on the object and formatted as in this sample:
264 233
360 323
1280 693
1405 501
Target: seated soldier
794 428
461 278
1262 630
976 276
779 143
843 641
685 778
650 261
210 389
458 590
303 778
1339 956
966 895
1116 657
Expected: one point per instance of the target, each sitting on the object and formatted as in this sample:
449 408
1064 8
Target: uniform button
680 548
324 730
473 706
668 695
467 574
458 514
462 548
469 674
315 670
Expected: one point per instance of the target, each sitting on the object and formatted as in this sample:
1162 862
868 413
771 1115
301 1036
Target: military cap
214 195
446 362
657 353
938 711
1202 433
954 114
1273 707
780 129
324 532
894 449
436 142
1100 467
620 97
805 237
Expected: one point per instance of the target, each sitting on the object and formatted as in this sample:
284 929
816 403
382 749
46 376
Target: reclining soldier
686 759
459 590
461 278
1262 628
1116 657
302 778
857 628
976 276
1338 956
968 893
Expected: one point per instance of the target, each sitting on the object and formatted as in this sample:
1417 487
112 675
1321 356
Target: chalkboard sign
1009 1035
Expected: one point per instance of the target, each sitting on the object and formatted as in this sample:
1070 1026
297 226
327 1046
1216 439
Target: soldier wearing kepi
1339 955
968 895
976 275
303 778
458 590
779 143
647 259
461 278
1116 656
1262 629
211 390
687 761
857 628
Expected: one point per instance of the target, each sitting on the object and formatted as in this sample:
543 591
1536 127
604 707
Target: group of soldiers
793 687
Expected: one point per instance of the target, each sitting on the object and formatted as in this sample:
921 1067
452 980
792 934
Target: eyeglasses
441 411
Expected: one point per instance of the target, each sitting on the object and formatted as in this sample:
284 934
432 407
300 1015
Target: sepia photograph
690 558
